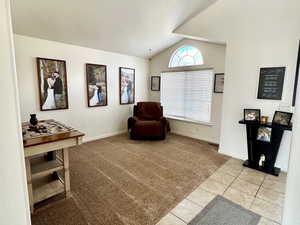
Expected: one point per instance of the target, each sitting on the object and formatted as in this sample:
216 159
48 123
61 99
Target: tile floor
256 191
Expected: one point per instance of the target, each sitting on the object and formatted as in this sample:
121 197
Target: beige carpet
117 181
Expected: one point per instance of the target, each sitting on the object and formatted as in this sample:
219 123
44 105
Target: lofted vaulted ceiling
129 27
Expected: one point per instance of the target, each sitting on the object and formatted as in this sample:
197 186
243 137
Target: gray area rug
221 211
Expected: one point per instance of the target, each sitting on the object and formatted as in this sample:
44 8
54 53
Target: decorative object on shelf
282 118
33 120
262 160
127 85
252 115
271 83
155 83
264 134
219 83
96 85
43 129
52 77
261 142
264 119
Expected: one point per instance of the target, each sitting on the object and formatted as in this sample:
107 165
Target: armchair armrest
131 121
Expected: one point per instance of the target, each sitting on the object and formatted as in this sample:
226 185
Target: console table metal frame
270 149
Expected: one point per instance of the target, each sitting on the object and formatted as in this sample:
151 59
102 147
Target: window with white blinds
187 95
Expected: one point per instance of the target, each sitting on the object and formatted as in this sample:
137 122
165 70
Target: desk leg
29 183
67 172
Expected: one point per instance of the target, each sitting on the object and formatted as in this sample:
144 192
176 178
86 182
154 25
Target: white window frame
176 51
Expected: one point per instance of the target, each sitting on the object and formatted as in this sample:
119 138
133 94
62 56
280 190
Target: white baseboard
87 139
194 136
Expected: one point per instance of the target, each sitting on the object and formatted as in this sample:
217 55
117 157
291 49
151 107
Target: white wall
95 122
14 208
213 56
258 34
291 214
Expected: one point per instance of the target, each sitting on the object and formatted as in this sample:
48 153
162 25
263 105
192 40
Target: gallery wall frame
127 85
96 85
155 83
52 83
219 83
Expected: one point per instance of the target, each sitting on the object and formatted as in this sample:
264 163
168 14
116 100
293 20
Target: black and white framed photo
271 81
264 134
219 83
282 118
252 115
155 83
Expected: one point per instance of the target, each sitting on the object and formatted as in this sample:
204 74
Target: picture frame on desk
252 115
282 118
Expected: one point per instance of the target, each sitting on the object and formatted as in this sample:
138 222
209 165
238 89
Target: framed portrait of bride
52 78
96 85
127 85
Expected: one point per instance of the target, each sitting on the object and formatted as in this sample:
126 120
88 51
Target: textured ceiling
129 27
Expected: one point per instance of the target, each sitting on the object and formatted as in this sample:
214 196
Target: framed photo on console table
264 134
252 115
96 85
127 85
52 78
282 118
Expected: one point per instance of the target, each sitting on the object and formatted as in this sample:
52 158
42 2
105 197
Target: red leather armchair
148 121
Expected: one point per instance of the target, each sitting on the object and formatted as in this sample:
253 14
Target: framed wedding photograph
264 134
252 115
282 118
96 85
52 78
219 83
155 83
127 85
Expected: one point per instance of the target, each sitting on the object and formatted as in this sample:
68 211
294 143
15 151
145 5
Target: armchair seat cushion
148 128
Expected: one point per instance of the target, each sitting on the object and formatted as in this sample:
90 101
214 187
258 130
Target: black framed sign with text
271 83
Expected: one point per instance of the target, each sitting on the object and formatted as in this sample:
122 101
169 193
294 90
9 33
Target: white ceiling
126 26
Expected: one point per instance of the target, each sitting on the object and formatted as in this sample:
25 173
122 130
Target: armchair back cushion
149 110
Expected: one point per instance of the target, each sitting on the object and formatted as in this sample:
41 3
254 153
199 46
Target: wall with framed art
247 51
90 95
213 57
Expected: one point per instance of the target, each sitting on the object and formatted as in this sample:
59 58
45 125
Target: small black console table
257 148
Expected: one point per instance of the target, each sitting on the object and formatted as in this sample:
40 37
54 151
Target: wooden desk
40 187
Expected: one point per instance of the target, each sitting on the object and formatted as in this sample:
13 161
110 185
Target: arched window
186 56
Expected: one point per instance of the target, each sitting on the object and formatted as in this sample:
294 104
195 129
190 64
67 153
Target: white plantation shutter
187 95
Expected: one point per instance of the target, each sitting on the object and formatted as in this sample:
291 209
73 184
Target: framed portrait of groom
52 82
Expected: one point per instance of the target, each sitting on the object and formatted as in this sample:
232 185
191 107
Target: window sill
209 124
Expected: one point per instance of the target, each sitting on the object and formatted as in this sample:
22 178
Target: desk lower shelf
46 187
